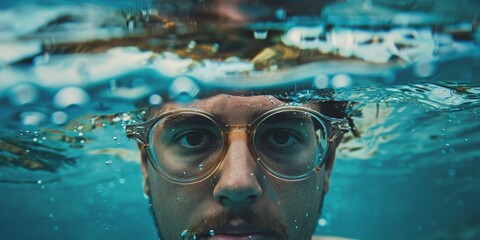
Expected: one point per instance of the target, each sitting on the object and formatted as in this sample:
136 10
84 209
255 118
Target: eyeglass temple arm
137 132
339 128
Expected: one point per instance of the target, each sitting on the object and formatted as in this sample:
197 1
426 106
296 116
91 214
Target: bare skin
239 189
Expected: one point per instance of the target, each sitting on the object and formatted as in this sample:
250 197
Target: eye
195 139
279 138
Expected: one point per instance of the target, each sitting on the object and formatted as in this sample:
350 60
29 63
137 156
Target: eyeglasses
188 145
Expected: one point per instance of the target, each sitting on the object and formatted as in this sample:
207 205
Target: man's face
240 200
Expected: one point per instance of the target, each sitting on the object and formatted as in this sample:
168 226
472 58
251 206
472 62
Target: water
72 75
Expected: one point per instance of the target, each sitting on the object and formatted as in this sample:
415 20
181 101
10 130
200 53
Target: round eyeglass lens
186 146
291 144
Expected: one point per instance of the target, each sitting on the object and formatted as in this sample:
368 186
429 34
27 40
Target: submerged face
240 199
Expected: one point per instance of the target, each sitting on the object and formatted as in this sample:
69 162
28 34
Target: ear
144 168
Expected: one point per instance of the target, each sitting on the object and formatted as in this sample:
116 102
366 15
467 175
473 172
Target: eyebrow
291 116
180 119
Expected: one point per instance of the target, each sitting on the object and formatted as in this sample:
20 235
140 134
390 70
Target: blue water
67 170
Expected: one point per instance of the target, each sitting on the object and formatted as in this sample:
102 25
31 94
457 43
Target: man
238 167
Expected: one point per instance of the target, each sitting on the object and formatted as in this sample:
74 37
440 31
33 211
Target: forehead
229 107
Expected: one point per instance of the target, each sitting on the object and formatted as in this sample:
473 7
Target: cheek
301 202
175 206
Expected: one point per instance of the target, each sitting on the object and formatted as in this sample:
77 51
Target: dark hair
322 98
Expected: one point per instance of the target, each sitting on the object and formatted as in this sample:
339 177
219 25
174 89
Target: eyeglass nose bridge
235 129
231 128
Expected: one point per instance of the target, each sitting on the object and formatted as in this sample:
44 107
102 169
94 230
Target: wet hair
326 105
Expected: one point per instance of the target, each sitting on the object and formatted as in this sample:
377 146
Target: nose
238 186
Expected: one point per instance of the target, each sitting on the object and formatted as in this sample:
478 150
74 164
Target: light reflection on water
69 171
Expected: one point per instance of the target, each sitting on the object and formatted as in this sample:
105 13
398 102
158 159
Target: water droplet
200 167
184 234
115 138
212 233
39 182
322 222
108 162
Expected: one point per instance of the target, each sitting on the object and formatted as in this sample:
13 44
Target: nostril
252 199
222 200
225 200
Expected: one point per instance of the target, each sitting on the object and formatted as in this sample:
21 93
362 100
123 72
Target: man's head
230 173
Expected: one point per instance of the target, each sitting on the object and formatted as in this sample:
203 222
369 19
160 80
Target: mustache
222 218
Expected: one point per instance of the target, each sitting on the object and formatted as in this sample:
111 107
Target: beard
218 219
221 218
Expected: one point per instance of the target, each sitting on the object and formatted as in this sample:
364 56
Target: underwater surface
73 75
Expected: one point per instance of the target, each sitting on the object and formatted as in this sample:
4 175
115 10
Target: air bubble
321 81
322 222
212 233
23 94
32 118
71 96
424 69
155 99
108 162
341 81
183 89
